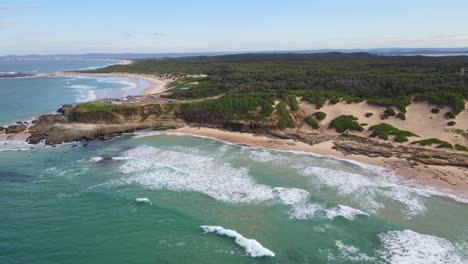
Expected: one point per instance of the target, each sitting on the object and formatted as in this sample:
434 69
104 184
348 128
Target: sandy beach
156 84
444 178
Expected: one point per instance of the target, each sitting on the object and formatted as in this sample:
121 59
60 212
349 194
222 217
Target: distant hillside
381 51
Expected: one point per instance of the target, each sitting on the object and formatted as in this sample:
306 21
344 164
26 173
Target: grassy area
383 131
434 141
100 106
311 121
344 123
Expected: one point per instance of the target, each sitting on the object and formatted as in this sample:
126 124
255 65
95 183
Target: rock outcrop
18 128
421 155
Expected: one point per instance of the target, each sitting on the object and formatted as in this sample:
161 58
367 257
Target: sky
154 26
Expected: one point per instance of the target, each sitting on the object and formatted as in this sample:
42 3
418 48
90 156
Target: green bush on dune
451 123
320 115
285 119
434 141
344 123
383 131
460 147
310 120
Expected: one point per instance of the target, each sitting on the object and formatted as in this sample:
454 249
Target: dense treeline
383 80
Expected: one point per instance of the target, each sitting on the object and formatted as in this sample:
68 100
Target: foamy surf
251 246
174 170
410 247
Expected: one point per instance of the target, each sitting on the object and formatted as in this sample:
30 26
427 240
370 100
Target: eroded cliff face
78 123
71 124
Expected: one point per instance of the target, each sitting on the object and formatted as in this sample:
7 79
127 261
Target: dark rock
68 111
2 129
35 139
16 128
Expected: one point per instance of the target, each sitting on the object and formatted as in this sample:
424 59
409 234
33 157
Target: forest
353 77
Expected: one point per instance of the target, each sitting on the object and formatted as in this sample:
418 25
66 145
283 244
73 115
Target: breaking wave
410 247
251 246
176 170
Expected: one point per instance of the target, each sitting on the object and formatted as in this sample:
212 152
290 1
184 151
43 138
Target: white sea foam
366 190
251 246
96 159
410 247
177 170
349 253
143 200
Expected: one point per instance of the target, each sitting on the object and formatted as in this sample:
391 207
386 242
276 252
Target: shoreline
442 178
155 85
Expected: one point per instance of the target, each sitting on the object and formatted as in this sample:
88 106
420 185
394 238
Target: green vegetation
435 110
285 119
451 123
388 112
460 147
401 116
320 115
243 106
434 141
369 115
310 120
389 81
454 100
449 115
344 123
384 130
100 106
293 104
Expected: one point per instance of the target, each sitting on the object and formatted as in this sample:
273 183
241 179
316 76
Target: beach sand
445 178
156 84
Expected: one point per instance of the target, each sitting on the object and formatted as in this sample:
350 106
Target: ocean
25 98
156 197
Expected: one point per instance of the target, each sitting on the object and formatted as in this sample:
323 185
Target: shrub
434 141
285 119
310 120
346 122
384 130
460 147
369 115
320 116
445 145
435 110
389 112
293 104
401 116
451 123
454 100
449 115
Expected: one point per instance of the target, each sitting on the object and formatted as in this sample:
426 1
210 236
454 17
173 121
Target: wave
176 170
251 246
349 253
410 247
382 181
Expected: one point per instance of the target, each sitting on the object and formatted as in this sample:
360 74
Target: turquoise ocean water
25 98
155 197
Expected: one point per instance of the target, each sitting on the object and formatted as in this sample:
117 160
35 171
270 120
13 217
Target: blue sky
72 26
